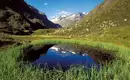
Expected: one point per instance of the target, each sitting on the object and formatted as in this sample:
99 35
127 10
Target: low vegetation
10 70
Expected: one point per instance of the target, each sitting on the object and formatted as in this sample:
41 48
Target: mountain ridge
17 17
67 20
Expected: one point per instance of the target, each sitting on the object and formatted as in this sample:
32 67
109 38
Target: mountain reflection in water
56 57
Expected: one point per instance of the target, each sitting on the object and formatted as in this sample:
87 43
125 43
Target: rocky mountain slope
17 17
110 14
66 21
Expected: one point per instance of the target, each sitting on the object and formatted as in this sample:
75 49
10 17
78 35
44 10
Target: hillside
108 15
17 17
66 21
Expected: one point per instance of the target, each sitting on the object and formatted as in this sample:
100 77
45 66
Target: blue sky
60 7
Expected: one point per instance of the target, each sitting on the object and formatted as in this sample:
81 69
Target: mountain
108 15
17 17
67 20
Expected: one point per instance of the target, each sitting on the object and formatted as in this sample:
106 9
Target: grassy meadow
114 39
118 70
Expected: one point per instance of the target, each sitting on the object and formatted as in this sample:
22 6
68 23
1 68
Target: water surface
58 57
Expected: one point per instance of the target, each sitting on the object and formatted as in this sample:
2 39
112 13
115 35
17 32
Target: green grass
116 35
10 70
119 70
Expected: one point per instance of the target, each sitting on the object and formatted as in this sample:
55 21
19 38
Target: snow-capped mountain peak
68 19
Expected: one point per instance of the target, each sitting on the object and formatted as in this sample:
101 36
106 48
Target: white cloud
52 17
63 13
45 4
